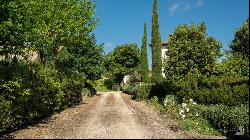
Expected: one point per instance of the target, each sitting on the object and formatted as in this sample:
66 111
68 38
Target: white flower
183 116
184 105
197 114
187 109
181 111
191 100
166 100
194 103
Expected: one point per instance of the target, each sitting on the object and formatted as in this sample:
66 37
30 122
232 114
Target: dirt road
106 116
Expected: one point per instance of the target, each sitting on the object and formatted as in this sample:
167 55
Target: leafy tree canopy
190 50
240 43
122 61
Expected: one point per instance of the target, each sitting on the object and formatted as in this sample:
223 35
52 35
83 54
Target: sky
122 21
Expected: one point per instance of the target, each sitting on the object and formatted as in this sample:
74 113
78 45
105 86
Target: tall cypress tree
144 56
156 46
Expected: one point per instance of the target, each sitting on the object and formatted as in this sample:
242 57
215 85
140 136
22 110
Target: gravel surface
110 115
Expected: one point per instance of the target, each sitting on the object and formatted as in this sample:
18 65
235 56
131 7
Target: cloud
173 8
108 45
184 5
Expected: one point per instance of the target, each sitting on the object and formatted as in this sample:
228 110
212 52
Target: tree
144 57
11 32
156 46
58 30
50 25
190 50
86 57
122 61
240 43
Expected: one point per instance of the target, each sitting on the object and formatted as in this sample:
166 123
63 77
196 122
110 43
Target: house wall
163 56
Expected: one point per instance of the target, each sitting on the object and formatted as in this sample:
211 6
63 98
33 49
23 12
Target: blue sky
121 21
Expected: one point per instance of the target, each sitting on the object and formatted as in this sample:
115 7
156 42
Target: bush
142 92
159 90
157 104
31 91
171 106
103 84
214 90
145 91
89 90
227 119
130 89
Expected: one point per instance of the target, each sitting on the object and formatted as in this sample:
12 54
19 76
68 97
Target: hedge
31 92
227 119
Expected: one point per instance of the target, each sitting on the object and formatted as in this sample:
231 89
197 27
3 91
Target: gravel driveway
110 115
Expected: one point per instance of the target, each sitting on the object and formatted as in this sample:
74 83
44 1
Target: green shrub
31 91
159 90
227 119
142 92
214 90
130 89
116 87
157 104
89 89
171 106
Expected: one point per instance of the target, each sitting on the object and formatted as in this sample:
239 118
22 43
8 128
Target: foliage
103 84
227 119
190 49
157 104
145 91
200 125
142 92
33 92
134 77
156 46
240 43
89 89
188 109
227 90
171 106
85 57
48 25
59 32
144 57
130 89
123 60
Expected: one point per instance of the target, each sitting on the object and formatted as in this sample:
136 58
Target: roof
164 43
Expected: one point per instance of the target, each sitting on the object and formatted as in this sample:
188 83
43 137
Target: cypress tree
156 46
144 56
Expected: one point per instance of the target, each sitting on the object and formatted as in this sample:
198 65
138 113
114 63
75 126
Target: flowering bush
188 109
171 106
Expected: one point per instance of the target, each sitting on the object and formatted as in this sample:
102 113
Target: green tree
11 32
122 61
86 57
240 43
156 46
144 57
190 50
58 30
50 25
